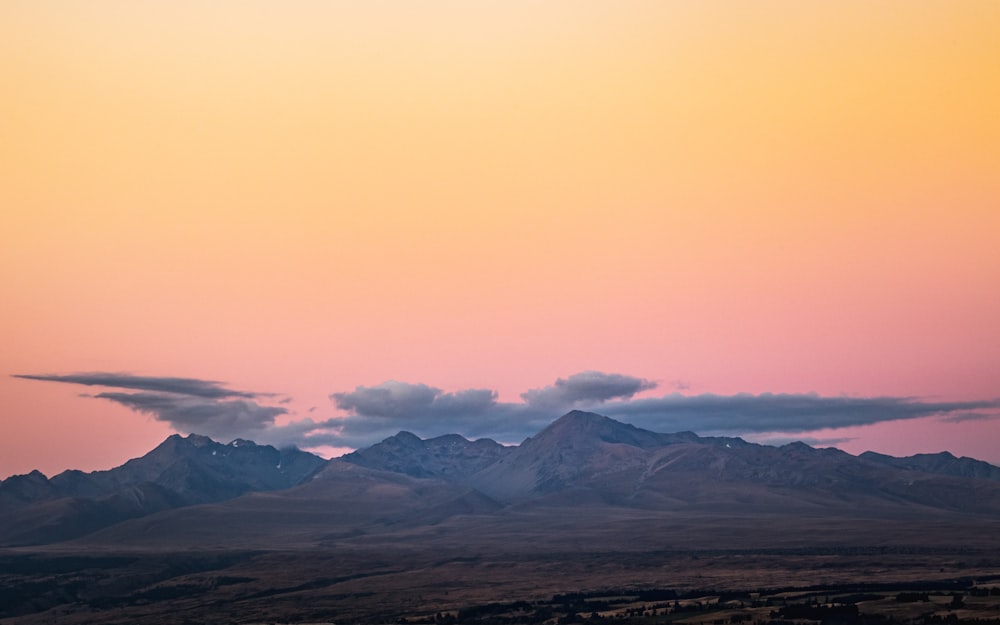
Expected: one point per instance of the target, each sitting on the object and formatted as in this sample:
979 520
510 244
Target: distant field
435 584
957 601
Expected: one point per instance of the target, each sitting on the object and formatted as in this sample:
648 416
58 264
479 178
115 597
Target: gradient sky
304 198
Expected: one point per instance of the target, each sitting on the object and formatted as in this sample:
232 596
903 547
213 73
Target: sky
318 223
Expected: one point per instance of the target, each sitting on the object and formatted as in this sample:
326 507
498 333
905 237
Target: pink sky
768 198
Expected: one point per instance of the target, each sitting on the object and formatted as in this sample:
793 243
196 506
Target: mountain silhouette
181 471
583 469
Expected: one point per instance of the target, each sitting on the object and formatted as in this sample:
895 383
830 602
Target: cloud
587 387
377 412
389 400
960 417
225 419
767 412
812 441
194 387
400 401
305 433
188 405
383 410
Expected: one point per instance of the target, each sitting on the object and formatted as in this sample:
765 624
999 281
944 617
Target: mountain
341 501
586 457
449 457
412 530
580 450
181 471
942 463
582 471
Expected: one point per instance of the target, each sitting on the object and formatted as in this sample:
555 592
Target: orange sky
306 197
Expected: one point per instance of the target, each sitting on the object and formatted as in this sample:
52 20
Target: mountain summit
584 457
580 428
180 471
582 466
450 457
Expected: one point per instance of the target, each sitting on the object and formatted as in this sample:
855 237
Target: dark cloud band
194 387
767 412
377 412
188 405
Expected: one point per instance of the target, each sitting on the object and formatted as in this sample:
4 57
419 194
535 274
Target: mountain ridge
581 461
179 472
587 451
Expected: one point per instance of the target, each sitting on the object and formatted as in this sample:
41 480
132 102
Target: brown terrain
590 519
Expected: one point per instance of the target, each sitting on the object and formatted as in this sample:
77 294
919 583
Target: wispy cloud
959 417
790 413
208 389
188 405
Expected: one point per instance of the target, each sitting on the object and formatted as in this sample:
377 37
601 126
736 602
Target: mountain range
583 469
180 472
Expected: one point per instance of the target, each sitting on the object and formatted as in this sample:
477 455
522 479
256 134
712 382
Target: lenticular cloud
369 414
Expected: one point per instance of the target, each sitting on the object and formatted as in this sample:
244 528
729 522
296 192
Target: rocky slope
450 457
587 457
581 474
181 471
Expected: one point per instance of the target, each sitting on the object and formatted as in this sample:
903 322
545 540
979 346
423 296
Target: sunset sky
777 220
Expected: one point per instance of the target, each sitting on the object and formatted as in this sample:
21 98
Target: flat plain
470 562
